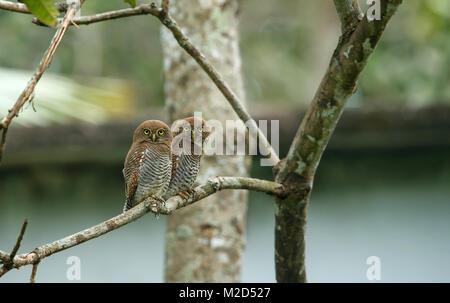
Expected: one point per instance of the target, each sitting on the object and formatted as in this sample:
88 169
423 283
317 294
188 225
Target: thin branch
3 142
144 9
195 53
212 186
14 6
42 67
19 239
22 8
33 272
349 13
218 80
7 259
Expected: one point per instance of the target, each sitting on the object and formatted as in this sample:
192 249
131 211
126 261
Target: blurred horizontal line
109 142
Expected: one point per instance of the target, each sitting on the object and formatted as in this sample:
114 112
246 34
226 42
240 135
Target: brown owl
148 165
190 134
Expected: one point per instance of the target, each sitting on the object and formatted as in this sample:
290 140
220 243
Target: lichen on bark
213 251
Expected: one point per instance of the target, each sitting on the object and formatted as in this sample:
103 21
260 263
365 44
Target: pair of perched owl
151 169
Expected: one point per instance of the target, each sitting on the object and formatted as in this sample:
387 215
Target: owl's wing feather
131 173
175 159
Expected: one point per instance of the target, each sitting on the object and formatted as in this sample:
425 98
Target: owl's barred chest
185 174
154 173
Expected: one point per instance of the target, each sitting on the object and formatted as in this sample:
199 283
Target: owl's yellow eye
161 132
186 129
200 129
146 132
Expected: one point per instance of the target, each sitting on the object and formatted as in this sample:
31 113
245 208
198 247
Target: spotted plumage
148 165
189 132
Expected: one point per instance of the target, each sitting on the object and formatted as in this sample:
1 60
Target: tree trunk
205 241
296 172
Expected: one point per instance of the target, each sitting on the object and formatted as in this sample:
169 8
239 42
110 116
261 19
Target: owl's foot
160 200
185 195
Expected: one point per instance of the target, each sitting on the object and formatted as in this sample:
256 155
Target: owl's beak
154 137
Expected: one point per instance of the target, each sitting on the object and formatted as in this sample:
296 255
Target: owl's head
153 131
191 130
194 127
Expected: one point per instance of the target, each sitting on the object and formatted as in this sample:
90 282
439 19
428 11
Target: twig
3 141
14 6
22 8
42 67
19 239
210 187
8 259
33 272
143 9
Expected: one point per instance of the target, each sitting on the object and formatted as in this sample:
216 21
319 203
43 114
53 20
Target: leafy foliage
131 2
44 10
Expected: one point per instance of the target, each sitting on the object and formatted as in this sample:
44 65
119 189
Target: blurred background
382 188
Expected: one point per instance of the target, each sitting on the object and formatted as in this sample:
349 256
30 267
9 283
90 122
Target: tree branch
195 53
14 7
297 170
218 80
26 94
22 8
144 9
349 13
7 259
33 272
212 186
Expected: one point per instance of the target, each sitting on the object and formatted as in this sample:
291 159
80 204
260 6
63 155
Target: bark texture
296 172
204 242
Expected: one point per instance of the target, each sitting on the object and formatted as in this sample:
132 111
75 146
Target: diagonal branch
196 54
212 186
26 94
19 240
218 80
7 259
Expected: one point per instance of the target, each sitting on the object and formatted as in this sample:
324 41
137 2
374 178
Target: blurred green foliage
285 46
44 10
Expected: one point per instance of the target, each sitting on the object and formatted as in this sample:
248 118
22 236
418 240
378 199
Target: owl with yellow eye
148 165
189 136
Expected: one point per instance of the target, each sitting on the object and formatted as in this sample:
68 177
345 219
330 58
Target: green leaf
131 2
44 10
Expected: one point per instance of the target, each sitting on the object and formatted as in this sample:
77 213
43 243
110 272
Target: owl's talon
185 195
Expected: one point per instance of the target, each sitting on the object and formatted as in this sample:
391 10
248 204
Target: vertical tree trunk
296 172
204 242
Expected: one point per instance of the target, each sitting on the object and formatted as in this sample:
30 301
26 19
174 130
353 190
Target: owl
148 165
189 136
